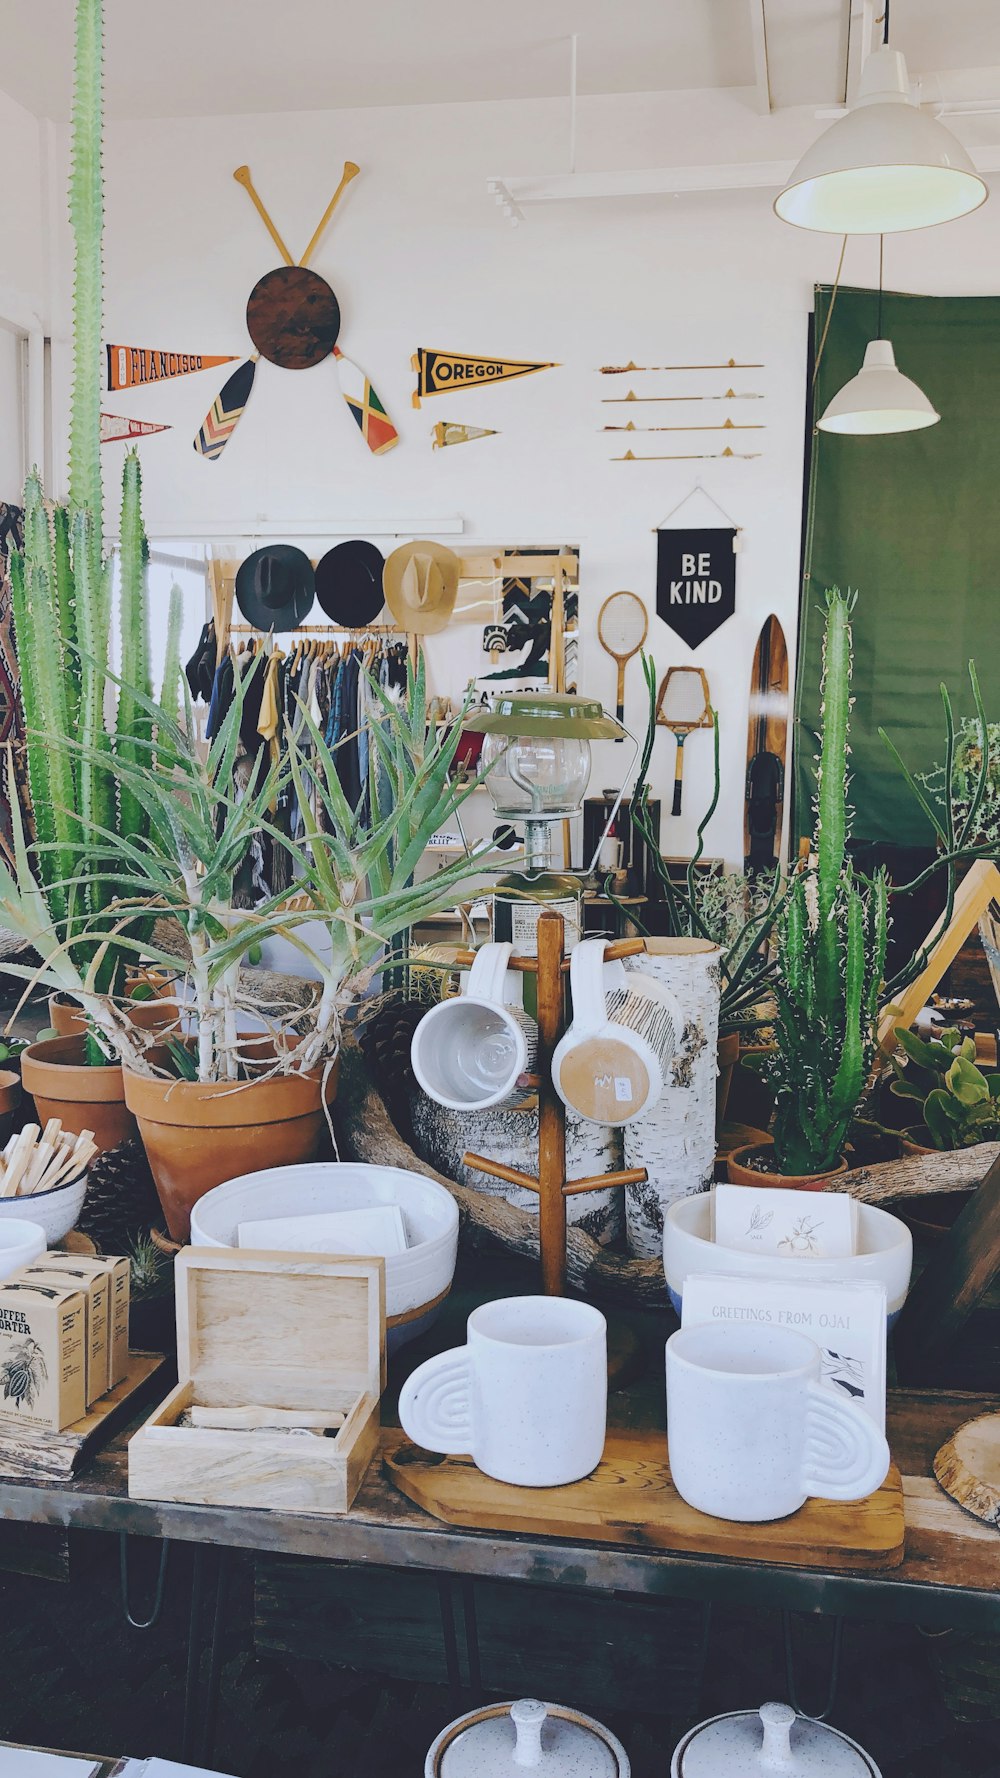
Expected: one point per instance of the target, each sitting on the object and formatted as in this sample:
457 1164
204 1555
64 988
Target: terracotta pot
931 1214
58 1079
159 1013
66 1018
912 1141
198 1135
741 1174
751 1100
10 1099
728 1053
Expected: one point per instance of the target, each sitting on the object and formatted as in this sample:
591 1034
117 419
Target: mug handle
847 1456
488 975
434 1405
586 981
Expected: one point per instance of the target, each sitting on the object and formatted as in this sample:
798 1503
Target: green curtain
910 521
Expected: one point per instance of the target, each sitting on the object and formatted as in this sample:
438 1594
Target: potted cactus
831 944
62 592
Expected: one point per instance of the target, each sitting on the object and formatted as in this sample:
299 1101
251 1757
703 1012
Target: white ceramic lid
509 1740
772 1742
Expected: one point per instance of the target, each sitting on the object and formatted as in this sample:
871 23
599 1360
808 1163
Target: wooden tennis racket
622 626
682 706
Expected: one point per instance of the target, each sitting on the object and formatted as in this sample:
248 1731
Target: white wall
23 272
419 256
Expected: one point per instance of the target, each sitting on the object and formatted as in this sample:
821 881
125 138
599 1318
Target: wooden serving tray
631 1500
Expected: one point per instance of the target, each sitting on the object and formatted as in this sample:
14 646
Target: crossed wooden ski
227 409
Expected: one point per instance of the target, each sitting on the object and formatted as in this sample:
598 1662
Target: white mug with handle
526 1397
612 1063
473 1052
753 1433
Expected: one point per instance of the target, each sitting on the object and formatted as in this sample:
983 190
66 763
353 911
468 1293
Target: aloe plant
356 872
831 946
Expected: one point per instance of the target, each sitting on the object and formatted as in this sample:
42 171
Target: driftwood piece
366 1132
886 1181
968 1467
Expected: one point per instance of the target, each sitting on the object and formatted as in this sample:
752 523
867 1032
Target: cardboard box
43 1357
118 1272
294 1332
57 1268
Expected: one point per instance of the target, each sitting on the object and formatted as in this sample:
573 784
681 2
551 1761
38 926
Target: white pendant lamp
886 166
879 398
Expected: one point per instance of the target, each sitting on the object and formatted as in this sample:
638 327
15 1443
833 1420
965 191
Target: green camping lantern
536 757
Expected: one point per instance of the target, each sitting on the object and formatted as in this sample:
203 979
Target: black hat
349 583
275 587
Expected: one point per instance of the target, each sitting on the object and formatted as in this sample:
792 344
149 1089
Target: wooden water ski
225 413
767 742
377 429
630 1500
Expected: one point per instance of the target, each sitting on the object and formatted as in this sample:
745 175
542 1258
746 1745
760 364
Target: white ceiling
185 58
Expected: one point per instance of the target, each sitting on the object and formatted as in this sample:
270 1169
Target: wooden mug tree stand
551 1184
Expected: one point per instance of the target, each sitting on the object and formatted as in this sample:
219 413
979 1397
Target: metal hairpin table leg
447 1607
161 1579
199 1724
472 1639
835 1653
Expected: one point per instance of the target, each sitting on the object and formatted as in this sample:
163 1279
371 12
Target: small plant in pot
831 945
248 1082
958 1104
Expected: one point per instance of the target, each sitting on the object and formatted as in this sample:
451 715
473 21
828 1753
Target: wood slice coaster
631 1500
38 1455
968 1467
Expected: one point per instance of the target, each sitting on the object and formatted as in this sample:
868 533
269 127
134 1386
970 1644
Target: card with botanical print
789 1224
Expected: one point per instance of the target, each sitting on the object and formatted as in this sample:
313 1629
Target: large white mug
753 1433
472 1053
526 1397
611 1064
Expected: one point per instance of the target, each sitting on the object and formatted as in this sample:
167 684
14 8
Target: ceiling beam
758 37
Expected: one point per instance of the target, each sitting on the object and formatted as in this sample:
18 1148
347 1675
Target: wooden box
288 1331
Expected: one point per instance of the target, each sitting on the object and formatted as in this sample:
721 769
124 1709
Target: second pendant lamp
880 398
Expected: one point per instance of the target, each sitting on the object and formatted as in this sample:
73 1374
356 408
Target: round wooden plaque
968 1467
293 317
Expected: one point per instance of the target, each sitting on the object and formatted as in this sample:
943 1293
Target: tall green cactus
831 951
86 214
62 592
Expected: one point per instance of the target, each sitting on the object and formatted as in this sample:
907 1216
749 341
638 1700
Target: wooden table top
949 1577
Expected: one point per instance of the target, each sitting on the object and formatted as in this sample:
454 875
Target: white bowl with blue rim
56 1210
884 1256
416 1281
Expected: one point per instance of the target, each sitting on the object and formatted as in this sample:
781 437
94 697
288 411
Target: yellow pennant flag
442 373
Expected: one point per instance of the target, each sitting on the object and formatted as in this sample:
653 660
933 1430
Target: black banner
695 580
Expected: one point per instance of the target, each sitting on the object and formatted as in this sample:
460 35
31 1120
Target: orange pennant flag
130 365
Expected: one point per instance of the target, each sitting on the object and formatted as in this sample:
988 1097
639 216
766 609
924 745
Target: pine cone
121 1201
385 1044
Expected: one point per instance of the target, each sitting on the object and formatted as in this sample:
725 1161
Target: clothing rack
321 630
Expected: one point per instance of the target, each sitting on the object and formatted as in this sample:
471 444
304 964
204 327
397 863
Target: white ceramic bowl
56 1211
885 1253
21 1242
414 1280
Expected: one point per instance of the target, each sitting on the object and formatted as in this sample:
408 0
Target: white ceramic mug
752 1431
526 1397
611 1064
471 1053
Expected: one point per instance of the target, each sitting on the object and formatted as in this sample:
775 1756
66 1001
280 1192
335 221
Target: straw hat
421 582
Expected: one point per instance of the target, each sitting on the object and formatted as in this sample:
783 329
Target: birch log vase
442 1137
675 1140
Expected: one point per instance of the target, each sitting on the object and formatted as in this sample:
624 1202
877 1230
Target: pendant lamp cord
829 312
881 265
884 22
